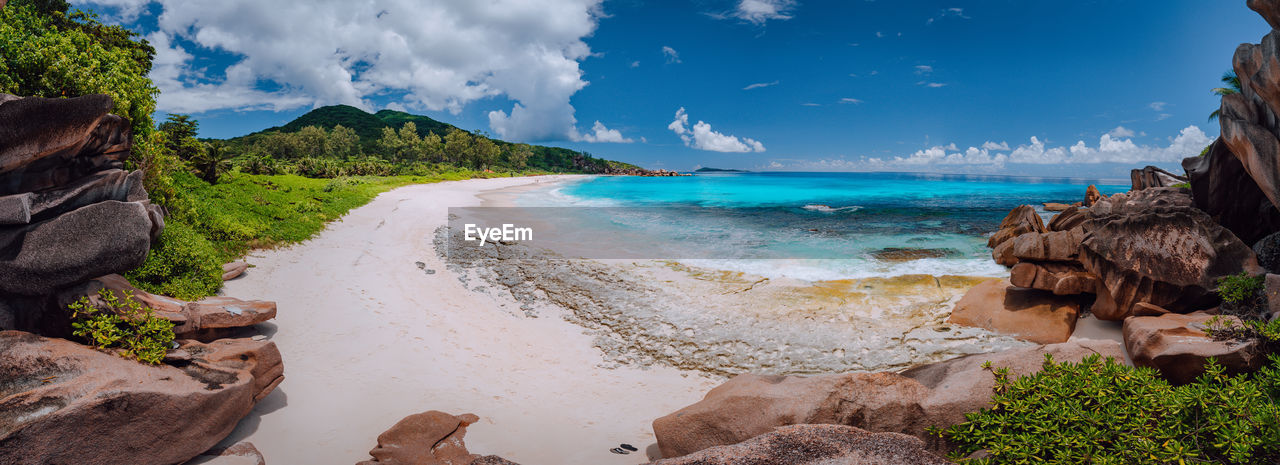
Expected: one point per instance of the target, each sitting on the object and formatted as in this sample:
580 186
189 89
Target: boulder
94 240
1221 187
1152 176
107 185
240 453
1092 196
233 270
1059 278
1248 118
206 319
46 143
1056 207
816 445
428 438
1178 346
1268 251
1068 219
1022 219
1269 9
1060 246
1028 314
226 312
260 359
66 403
1271 290
938 394
1151 246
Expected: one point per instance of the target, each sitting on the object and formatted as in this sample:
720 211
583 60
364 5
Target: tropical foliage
124 325
1232 87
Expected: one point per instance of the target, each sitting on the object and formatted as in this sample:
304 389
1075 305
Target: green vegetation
1242 296
125 325
1232 87
1104 412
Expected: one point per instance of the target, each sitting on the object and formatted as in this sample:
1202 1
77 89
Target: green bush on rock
1103 412
182 264
121 324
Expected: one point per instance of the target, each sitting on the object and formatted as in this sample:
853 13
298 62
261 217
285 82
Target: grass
219 223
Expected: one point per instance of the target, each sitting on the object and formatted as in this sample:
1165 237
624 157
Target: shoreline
369 337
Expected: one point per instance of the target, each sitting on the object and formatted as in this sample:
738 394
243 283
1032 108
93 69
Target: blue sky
956 86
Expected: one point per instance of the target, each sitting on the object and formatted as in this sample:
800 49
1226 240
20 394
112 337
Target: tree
179 137
484 152
212 161
344 142
411 148
457 145
1233 87
312 141
433 147
518 155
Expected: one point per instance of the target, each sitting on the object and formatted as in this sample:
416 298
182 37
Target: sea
809 226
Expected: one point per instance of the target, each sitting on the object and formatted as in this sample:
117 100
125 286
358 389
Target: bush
1242 296
122 324
1104 412
183 264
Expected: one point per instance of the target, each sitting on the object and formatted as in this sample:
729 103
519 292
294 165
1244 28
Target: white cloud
760 11
811 104
1163 116
600 133
124 10
992 156
760 84
850 100
635 64
439 56
1157 106
934 85
701 136
924 69
672 55
1120 132
879 34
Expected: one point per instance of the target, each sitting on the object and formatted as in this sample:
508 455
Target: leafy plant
1103 412
1242 295
122 324
183 264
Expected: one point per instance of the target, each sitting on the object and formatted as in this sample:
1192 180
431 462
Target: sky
978 86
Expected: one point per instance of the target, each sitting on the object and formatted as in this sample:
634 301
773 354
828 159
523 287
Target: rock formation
429 438
1221 187
1178 346
816 445
66 403
1152 176
938 394
1027 314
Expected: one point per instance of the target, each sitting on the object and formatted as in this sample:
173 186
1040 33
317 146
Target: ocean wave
830 209
837 269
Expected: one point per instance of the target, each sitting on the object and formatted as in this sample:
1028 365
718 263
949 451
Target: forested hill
375 139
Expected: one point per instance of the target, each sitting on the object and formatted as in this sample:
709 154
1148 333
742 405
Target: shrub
1242 296
121 324
183 264
1104 412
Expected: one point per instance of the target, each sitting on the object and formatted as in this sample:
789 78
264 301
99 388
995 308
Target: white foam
835 269
829 209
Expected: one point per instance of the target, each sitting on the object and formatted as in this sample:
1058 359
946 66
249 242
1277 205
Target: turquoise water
817 225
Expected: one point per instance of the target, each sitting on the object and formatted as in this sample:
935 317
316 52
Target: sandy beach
369 337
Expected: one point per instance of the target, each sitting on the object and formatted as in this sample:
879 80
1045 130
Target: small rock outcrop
1022 219
1152 176
206 319
62 402
938 394
240 453
816 445
429 438
1178 346
1028 314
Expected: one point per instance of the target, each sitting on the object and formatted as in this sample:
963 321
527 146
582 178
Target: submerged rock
816 445
66 403
938 394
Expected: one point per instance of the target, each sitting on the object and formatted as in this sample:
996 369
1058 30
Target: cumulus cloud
672 55
701 137
992 156
600 133
761 11
1120 132
439 56
760 84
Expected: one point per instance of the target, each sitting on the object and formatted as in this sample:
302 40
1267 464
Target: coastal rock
260 359
1268 251
1056 207
1178 347
1060 278
66 403
240 453
816 445
938 394
1092 196
1248 118
1271 290
1068 219
1022 219
204 319
233 270
428 438
214 313
1222 188
1152 176
94 240
1060 246
53 142
1151 246
1028 314
1269 9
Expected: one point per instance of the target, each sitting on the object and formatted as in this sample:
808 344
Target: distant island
718 170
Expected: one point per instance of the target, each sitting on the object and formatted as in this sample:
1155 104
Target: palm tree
1233 87
212 161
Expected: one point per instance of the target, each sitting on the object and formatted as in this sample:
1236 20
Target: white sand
368 338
